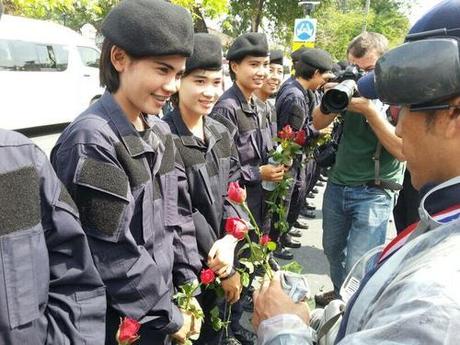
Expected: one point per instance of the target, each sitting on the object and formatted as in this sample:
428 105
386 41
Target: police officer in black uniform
248 57
122 168
51 291
294 105
211 162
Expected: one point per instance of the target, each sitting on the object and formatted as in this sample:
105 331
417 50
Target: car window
31 56
89 56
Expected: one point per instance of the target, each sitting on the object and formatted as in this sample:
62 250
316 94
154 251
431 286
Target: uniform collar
187 138
440 202
128 134
245 106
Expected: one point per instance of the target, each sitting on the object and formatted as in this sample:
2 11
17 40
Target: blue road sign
305 30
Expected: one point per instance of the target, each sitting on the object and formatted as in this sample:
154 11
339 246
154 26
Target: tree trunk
199 24
257 19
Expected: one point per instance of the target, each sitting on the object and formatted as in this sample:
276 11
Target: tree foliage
337 25
338 20
75 13
71 13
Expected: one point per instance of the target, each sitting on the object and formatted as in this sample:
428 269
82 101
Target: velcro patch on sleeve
104 177
101 195
100 211
19 200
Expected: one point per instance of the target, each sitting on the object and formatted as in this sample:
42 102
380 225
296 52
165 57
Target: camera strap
378 182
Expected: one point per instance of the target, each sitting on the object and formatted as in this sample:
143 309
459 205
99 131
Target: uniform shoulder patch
190 156
19 200
100 211
245 122
103 176
225 121
169 157
298 117
134 167
224 146
101 196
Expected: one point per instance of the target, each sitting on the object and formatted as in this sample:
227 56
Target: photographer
359 197
409 294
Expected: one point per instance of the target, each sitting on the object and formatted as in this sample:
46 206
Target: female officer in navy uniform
121 167
211 162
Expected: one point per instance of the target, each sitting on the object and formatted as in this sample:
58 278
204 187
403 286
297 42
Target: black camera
336 100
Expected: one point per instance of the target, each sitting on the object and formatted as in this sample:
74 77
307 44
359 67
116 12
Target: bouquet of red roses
260 249
291 143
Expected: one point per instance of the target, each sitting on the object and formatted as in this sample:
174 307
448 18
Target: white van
48 74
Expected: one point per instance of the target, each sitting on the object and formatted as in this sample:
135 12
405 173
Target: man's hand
185 331
221 255
363 105
232 288
329 86
271 300
273 173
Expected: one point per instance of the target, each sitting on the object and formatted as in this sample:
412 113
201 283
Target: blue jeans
355 220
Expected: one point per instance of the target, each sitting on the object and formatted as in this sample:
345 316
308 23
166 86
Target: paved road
311 255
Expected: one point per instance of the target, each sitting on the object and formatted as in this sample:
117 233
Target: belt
382 184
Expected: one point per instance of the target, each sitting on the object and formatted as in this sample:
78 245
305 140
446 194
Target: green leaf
271 246
216 322
245 280
293 267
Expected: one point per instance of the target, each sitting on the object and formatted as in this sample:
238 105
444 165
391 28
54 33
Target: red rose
286 133
207 276
300 138
264 240
236 227
236 194
127 331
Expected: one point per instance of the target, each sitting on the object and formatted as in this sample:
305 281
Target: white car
48 74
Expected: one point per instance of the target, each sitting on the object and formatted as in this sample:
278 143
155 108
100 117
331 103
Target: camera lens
336 100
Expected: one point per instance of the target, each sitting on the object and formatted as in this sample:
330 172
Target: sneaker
322 178
310 195
320 184
295 233
244 336
301 224
309 207
326 297
283 253
288 241
307 214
